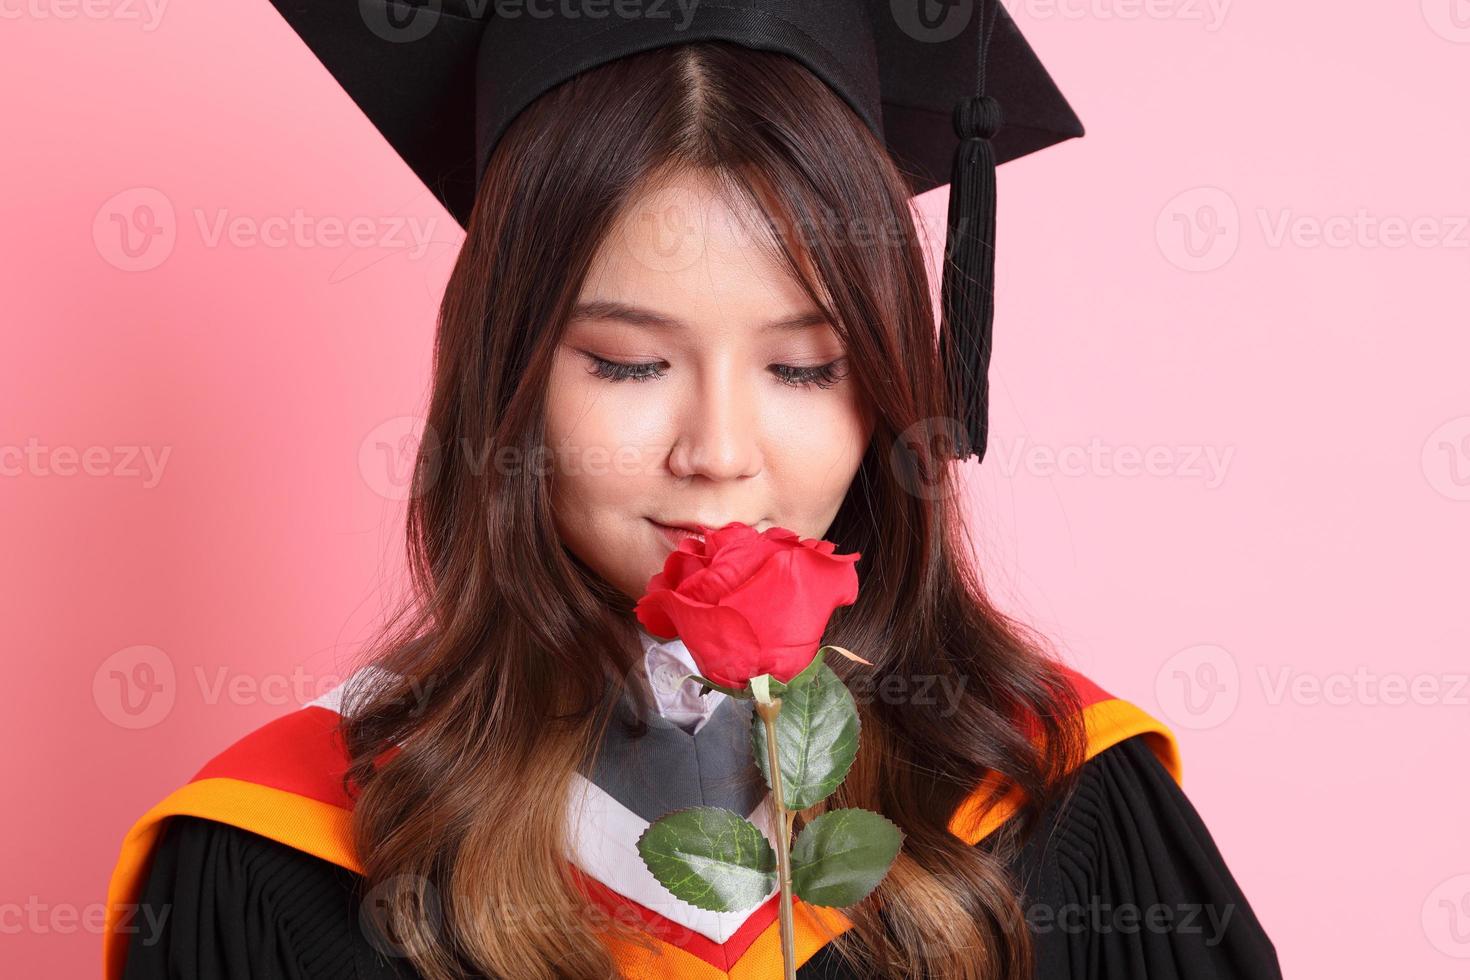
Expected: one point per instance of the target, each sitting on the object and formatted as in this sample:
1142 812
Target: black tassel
968 289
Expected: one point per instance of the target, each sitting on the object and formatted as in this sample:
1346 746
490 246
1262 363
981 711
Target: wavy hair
506 645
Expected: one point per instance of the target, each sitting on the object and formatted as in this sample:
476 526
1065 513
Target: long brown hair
508 644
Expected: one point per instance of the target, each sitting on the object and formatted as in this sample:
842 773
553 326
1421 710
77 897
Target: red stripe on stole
1089 692
721 956
301 753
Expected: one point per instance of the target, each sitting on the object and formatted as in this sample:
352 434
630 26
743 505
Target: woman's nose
718 431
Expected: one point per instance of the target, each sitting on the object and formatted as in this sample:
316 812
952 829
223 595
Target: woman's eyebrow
639 316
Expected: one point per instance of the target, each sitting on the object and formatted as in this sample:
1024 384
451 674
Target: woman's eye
823 376
618 371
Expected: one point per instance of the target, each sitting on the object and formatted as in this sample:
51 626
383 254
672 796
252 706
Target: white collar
664 662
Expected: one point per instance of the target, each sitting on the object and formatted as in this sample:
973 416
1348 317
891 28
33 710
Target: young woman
641 334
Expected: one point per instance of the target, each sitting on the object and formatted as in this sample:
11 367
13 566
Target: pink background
1258 256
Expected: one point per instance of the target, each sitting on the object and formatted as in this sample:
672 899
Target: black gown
1123 882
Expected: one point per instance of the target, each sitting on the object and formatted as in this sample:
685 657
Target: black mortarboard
443 79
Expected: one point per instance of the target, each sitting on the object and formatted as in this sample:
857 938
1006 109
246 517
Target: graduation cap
443 79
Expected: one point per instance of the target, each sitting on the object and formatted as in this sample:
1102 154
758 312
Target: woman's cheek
825 425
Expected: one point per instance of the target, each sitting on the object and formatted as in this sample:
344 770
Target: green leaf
710 857
842 855
816 739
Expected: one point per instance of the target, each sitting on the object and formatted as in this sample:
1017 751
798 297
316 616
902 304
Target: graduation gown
248 871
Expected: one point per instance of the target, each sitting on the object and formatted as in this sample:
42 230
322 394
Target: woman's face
696 383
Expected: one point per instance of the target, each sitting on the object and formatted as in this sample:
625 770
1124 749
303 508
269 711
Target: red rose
747 603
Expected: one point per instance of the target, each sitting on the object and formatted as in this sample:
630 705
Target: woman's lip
674 534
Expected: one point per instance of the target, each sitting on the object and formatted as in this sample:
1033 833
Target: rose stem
782 825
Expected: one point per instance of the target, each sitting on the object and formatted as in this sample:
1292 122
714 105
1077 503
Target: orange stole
284 781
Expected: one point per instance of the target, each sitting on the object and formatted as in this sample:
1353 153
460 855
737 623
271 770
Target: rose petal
803 586
732 533
728 568
720 640
681 565
650 612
